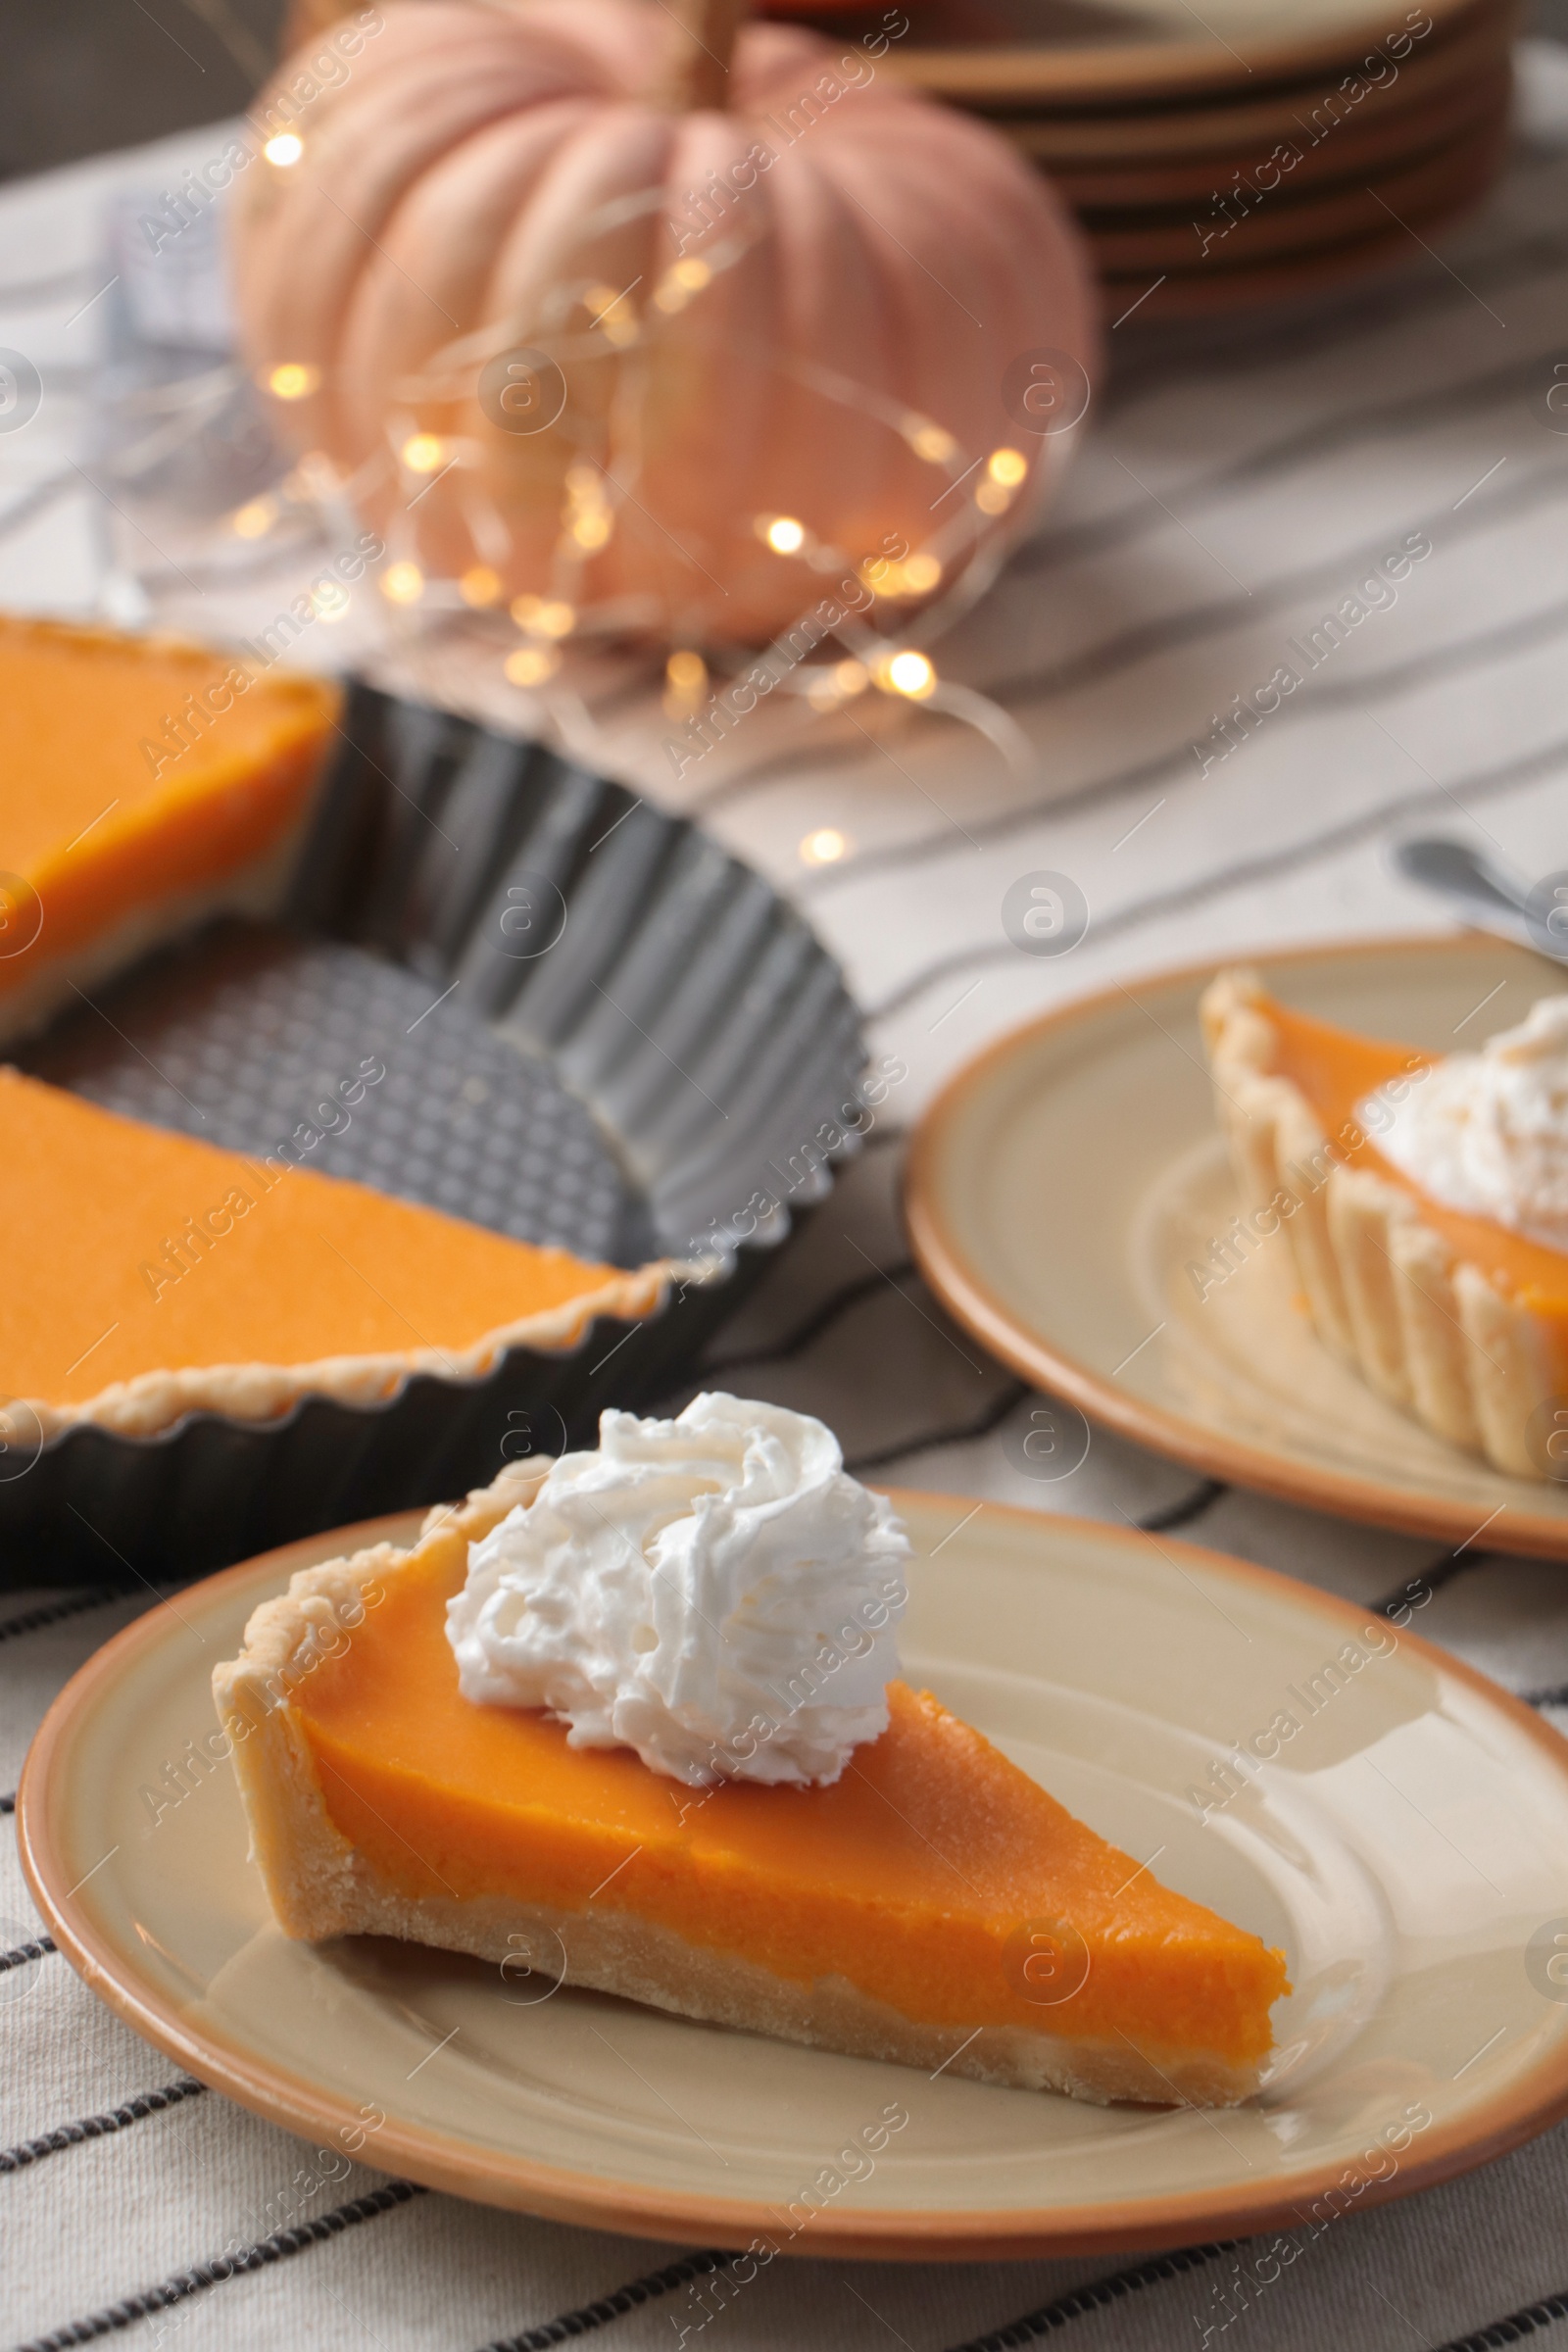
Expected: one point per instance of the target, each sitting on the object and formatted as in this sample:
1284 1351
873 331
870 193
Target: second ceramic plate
1061 1185
1103 53
1408 1848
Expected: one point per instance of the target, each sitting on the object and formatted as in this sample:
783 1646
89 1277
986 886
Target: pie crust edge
154 1400
318 1887
1387 1294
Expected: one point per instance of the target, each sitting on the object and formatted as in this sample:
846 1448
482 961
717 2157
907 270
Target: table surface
1239 481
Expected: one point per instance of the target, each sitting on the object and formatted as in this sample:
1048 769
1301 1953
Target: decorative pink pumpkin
594 309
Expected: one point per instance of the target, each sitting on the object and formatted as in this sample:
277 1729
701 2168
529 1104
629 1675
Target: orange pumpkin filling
1335 1070
137 773
136 1250
920 1876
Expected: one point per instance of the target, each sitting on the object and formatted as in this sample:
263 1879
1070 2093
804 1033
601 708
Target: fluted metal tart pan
601 1030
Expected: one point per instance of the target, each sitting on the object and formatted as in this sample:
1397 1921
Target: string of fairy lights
921 591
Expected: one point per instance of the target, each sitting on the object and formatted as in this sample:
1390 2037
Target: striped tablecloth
1240 481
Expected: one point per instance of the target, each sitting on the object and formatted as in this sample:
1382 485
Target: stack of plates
1237 153
1216 157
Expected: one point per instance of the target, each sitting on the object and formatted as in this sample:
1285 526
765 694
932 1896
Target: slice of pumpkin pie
632 1720
1425 1198
147 782
152 1275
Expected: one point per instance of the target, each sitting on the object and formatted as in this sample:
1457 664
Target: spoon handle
1488 897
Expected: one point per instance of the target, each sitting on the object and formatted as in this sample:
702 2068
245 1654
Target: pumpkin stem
699 78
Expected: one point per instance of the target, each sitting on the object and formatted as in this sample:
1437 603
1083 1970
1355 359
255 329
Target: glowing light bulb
531 664
1008 467
402 583
423 453
827 689
916 577
992 498
910 674
611 313
331 601
783 534
543 615
591 521
255 521
685 682
929 441
480 586
292 379
825 847
681 281
285 149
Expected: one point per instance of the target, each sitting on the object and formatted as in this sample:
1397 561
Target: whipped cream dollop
1487 1132
715 1592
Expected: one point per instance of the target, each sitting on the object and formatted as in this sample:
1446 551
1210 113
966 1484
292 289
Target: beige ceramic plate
1060 1186
1202 181
1103 53
1245 130
1210 293
1193 238
1407 1848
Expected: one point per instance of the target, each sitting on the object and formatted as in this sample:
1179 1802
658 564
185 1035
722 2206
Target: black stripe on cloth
821 1319
1377 419
221 2266
1083 2299
34 502
20 1953
646 2289
1288 858
1167 358
98 2127
1443 1571
1182 1514
1415 1595
1515 2327
53 1611
1366 685
1172 632
1012 1394
833 740
1441 664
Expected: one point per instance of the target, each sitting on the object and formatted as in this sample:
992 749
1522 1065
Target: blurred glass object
177 436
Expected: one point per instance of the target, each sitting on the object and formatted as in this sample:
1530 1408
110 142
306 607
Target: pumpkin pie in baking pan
147 783
1426 1201
151 1274
632 1721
